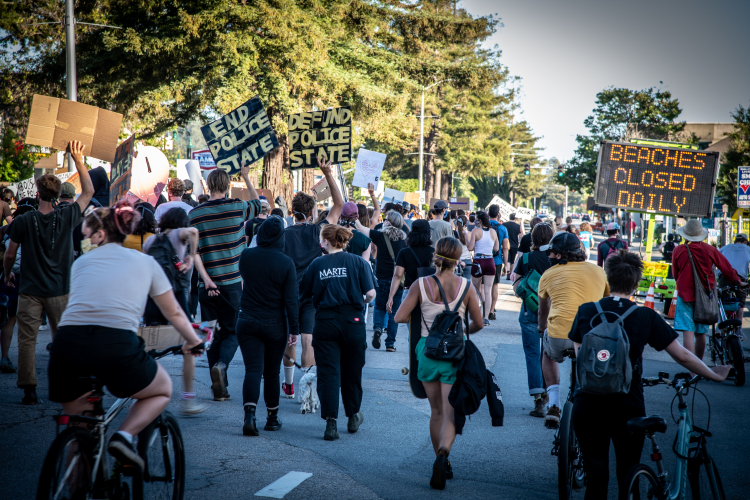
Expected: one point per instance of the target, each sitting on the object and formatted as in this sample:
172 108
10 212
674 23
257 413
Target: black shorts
116 357
306 316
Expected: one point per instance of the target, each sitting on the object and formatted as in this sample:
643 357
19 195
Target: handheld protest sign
460 203
149 174
320 133
369 168
393 196
242 135
321 190
194 174
656 179
120 176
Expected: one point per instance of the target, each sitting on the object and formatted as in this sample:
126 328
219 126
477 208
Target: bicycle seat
729 323
654 423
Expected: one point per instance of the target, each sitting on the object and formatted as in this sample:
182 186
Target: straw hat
693 230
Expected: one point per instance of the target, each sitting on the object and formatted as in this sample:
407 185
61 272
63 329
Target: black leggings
596 425
262 343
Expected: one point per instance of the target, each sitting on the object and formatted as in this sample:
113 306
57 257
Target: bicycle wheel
703 477
160 445
68 467
734 348
570 473
642 483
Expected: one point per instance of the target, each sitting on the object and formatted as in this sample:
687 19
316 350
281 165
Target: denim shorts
683 318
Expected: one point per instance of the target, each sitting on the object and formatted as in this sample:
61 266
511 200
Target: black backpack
445 339
164 253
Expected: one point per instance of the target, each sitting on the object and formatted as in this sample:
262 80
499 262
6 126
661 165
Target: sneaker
448 470
6 366
218 382
486 322
44 328
189 407
437 480
376 338
331 433
124 452
390 349
552 418
355 421
491 316
288 390
539 405
29 396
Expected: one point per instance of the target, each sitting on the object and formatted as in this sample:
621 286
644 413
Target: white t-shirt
165 207
109 287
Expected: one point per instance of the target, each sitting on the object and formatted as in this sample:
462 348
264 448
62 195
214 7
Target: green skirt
432 370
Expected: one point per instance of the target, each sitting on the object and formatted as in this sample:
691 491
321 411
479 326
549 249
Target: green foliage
737 155
621 114
484 188
16 158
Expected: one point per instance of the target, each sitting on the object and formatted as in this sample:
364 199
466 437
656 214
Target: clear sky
566 51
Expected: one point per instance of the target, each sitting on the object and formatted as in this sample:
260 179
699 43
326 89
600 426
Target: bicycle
77 467
570 473
727 336
689 458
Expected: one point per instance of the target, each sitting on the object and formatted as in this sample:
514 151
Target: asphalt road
391 456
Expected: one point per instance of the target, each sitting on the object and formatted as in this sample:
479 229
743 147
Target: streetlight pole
70 62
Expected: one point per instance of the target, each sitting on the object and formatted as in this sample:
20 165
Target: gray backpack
603 361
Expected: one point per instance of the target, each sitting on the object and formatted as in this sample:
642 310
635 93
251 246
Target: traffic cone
673 305
650 297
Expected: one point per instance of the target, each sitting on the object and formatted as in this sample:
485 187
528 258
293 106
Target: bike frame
684 432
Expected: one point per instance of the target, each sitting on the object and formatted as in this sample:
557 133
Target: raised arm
375 204
87 187
338 200
245 173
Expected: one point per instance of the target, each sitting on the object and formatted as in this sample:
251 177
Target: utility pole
421 141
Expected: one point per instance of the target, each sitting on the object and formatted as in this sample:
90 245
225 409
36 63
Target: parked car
585 218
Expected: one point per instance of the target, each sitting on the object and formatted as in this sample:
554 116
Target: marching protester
439 376
221 227
187 196
501 254
100 181
695 255
463 236
484 242
587 237
410 261
45 237
738 255
440 228
252 225
176 189
389 241
515 232
359 244
339 284
302 245
611 245
97 335
145 229
264 314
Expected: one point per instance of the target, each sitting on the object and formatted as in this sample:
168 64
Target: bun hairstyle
117 221
337 236
447 253
483 218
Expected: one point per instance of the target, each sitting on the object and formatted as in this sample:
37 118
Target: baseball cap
68 190
405 204
563 241
349 210
440 205
613 226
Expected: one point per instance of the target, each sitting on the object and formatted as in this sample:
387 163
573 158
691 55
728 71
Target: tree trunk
276 174
446 181
308 179
431 180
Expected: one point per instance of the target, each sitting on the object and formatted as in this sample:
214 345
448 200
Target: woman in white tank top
484 242
438 377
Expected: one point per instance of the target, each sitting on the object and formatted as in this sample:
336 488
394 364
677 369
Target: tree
622 114
737 155
16 158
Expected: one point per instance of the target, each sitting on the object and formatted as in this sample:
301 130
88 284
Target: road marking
283 485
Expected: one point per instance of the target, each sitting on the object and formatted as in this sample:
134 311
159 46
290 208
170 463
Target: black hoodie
270 288
101 185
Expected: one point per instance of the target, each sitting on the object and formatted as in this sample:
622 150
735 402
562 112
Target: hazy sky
566 51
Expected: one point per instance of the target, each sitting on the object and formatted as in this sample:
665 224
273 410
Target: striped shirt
221 238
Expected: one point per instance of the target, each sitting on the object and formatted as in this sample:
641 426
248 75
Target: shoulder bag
528 287
706 305
422 271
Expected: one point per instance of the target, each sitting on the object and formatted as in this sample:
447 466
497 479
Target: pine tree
737 155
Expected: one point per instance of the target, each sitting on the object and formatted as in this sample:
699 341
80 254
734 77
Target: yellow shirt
133 241
569 286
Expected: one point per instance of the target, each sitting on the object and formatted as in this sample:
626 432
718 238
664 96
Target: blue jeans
532 348
380 314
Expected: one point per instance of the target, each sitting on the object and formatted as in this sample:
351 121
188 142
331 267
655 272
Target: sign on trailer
656 179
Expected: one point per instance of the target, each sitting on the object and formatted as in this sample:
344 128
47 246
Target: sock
188 395
128 437
289 375
554 395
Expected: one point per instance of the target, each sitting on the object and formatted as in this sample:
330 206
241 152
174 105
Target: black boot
250 428
273 423
331 433
438 470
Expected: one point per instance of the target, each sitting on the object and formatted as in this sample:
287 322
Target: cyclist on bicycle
738 255
599 419
97 334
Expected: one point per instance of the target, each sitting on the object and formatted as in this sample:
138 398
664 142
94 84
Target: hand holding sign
371 188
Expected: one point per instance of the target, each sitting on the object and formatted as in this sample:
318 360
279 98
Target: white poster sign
26 189
369 168
506 209
393 196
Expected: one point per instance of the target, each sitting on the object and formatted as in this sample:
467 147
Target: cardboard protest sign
524 213
55 122
53 161
159 337
321 190
412 198
320 133
379 189
73 178
460 203
149 174
393 196
242 135
369 168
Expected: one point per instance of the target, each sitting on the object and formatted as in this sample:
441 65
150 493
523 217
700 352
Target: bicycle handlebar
176 349
680 381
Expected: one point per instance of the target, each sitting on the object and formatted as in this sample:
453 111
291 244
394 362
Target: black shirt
405 259
514 230
270 288
538 261
525 245
384 268
302 245
358 244
404 228
46 270
337 279
643 326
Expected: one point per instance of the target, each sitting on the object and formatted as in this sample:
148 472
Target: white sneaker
44 328
189 407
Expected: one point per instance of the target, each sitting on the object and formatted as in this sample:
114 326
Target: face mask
87 246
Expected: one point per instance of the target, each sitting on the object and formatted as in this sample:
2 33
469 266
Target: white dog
308 396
